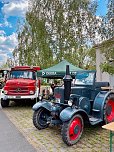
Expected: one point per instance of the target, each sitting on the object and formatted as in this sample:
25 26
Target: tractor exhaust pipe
67 85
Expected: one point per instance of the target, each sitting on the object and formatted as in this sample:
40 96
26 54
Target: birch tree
58 29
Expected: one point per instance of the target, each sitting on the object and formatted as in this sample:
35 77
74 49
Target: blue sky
10 12
102 7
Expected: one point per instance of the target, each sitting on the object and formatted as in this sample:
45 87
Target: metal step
95 110
94 120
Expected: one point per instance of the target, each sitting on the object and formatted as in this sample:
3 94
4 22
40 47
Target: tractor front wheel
40 118
72 130
109 109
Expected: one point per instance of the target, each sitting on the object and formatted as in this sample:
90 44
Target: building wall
112 81
99 75
98 62
105 77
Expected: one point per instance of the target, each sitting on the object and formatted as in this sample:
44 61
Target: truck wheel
4 103
109 109
40 118
72 130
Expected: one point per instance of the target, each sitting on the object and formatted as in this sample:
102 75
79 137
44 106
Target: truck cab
22 84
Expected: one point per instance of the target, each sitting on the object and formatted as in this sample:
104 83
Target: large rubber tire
4 103
40 118
72 130
109 108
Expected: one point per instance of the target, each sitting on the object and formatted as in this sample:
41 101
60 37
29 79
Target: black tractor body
84 101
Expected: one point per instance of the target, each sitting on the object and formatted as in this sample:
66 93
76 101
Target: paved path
11 140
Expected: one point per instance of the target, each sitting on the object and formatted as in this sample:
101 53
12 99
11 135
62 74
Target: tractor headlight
58 100
40 97
70 102
31 92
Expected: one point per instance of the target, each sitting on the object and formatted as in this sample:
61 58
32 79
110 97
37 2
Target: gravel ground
94 138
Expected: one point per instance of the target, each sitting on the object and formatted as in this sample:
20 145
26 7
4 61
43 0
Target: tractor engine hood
20 82
77 90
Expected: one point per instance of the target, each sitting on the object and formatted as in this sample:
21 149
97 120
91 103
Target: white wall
98 62
99 75
105 77
112 80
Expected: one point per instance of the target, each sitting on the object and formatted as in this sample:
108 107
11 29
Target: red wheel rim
110 110
75 128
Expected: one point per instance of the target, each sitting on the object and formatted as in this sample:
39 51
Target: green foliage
110 19
4 66
107 33
107 49
57 29
107 67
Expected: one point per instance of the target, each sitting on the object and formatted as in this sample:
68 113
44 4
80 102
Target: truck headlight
31 92
5 91
70 102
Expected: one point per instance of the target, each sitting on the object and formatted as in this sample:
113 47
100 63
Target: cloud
3 58
15 8
8 42
8 1
1 24
2 32
5 23
7 45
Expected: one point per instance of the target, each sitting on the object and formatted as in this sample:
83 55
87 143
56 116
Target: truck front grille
18 91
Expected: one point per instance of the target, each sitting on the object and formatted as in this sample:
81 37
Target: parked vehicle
1 80
21 84
3 76
85 102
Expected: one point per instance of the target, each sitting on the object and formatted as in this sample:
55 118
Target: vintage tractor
87 101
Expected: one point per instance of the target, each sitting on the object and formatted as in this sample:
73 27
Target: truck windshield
84 78
23 74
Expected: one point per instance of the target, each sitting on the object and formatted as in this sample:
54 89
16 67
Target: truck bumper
5 97
16 97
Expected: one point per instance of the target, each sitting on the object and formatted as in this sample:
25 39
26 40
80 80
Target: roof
58 70
35 68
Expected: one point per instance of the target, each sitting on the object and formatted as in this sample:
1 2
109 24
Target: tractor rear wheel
40 118
72 130
109 108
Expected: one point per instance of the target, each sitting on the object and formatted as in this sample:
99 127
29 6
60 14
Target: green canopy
58 70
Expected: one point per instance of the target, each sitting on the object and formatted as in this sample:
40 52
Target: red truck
22 84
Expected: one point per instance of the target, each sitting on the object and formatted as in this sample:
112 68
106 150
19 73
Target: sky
11 11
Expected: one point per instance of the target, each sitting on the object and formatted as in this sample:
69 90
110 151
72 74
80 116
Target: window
84 78
23 74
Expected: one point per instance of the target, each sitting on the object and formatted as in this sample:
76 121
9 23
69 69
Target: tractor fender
69 112
43 104
99 102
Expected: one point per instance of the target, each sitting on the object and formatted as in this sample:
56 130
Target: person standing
52 87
